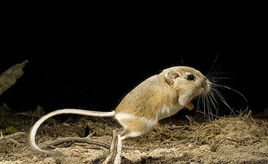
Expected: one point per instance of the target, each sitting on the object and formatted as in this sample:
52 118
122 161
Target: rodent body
154 94
156 98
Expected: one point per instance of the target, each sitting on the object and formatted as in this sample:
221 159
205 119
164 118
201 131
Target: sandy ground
236 140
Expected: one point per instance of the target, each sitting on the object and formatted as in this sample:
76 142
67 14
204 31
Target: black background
92 62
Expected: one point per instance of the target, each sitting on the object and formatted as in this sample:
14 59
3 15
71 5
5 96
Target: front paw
190 106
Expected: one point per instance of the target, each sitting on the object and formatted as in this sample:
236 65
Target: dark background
92 62
98 76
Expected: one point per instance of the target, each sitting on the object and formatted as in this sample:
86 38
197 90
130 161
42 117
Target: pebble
183 154
76 154
137 152
190 146
66 124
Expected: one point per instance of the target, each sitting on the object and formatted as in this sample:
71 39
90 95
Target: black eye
190 77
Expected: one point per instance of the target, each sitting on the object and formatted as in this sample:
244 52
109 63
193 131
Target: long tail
57 112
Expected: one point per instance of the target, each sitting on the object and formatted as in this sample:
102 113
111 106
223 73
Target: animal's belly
166 111
139 125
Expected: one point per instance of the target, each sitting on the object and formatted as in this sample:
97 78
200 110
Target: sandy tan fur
157 97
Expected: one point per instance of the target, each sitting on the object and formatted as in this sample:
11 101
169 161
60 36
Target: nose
206 84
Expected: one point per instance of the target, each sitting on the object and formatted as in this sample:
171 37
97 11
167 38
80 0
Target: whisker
223 99
231 89
216 102
204 105
213 102
205 114
216 79
209 107
215 99
198 102
211 71
182 62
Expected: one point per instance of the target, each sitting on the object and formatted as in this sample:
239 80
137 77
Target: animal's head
187 82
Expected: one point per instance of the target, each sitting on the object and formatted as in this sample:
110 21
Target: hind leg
116 146
113 148
125 134
134 127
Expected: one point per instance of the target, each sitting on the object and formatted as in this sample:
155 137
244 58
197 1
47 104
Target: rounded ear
171 76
